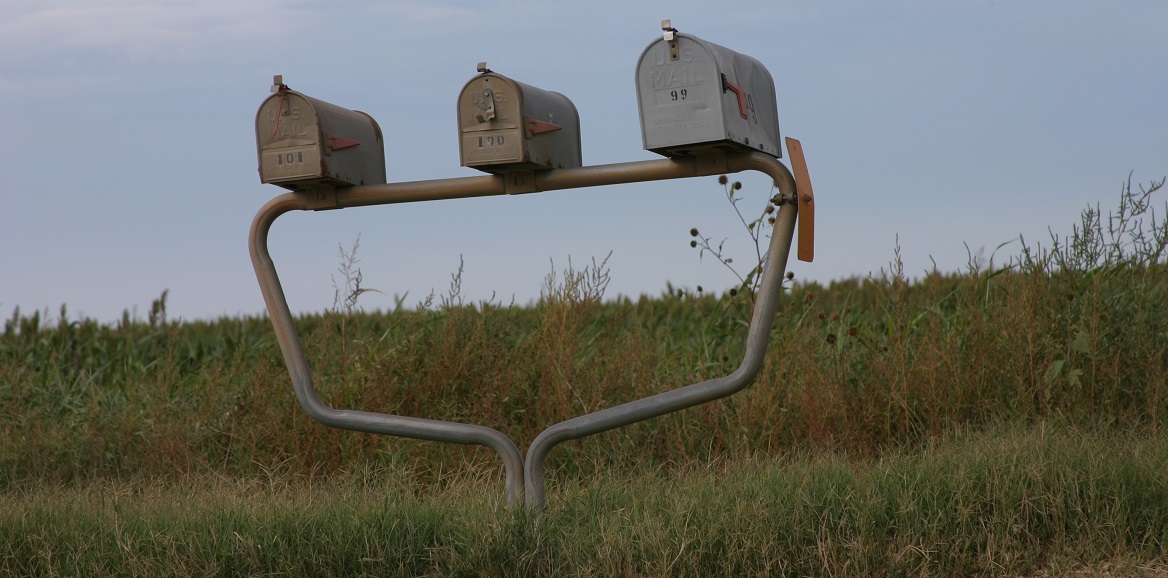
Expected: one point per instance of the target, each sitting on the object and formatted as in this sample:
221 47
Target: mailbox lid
505 124
303 141
695 94
490 121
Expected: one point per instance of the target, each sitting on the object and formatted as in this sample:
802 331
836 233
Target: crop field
1010 419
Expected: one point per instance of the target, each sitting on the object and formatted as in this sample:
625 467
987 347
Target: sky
947 129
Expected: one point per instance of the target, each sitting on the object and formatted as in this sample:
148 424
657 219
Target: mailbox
304 142
505 125
695 95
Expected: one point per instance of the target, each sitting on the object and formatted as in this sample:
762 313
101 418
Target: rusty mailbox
505 125
695 95
304 142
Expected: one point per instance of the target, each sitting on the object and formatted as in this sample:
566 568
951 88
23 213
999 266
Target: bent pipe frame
466 187
757 338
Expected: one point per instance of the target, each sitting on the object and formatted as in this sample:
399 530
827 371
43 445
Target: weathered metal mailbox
505 125
305 142
695 95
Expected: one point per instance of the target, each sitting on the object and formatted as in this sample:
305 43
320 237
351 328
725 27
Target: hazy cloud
143 29
415 11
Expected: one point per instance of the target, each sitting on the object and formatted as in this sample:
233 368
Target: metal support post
557 179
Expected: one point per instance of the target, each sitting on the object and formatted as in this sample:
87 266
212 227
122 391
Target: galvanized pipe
575 178
435 430
757 338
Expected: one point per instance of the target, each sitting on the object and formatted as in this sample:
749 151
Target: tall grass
862 364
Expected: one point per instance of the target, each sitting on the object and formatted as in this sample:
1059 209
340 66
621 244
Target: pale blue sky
127 161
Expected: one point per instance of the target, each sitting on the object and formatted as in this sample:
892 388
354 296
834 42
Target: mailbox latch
486 104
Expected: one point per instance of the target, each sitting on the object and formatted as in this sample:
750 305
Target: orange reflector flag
806 202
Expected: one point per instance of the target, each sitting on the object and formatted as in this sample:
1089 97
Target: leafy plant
759 231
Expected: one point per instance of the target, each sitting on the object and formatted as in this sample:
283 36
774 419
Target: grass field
1009 419
1011 502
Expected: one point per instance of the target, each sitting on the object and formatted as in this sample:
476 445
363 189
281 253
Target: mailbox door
288 136
679 94
490 121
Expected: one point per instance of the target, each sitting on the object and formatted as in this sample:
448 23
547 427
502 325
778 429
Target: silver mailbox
506 125
695 95
305 142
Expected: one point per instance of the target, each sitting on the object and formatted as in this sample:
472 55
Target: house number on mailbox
289 158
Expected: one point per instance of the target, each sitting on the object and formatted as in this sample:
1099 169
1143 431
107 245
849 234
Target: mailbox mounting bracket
519 182
321 198
710 162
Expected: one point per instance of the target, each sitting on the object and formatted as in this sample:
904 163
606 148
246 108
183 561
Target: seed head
693 232
852 331
699 288
733 292
831 339
737 185
693 243
723 180
770 209
790 275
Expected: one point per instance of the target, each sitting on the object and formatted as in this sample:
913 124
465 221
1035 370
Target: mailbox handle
741 94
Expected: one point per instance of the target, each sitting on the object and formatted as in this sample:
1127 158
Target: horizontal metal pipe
618 173
490 185
415 191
